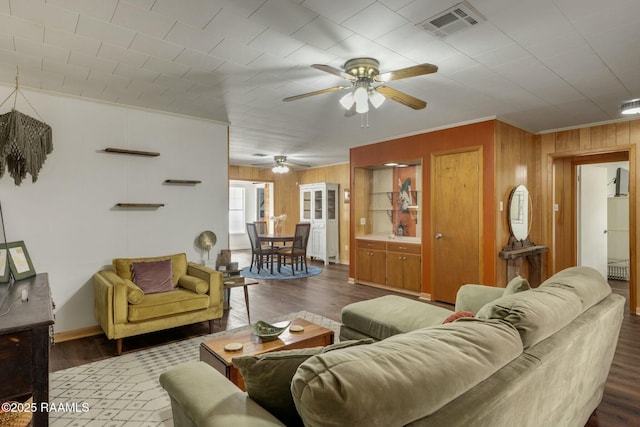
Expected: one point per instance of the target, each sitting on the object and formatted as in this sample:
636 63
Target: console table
24 343
533 254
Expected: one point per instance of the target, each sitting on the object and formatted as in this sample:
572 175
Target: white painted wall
67 218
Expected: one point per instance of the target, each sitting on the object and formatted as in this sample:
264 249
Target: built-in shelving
131 152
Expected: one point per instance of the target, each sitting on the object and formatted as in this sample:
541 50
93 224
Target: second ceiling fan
364 74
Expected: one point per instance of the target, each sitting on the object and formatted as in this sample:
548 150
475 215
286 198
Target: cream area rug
124 390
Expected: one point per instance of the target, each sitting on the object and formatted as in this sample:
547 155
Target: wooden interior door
456 189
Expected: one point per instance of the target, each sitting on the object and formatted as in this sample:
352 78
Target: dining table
271 239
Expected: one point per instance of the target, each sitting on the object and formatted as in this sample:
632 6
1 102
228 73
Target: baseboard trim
77 334
425 296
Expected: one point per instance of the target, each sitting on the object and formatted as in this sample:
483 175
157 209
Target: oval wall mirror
519 213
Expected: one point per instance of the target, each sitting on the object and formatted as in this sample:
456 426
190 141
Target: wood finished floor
326 294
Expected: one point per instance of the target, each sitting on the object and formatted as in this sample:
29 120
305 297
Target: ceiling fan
364 74
281 164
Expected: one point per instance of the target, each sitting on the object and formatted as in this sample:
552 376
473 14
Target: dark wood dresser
25 340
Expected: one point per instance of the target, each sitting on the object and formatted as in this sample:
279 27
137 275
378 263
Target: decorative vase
277 228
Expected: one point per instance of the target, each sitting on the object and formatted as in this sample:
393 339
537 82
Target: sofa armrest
212 277
110 294
201 396
473 297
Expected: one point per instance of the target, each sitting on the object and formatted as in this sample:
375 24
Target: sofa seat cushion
389 315
166 304
536 314
402 378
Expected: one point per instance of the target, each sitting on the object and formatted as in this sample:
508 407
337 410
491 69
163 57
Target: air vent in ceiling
455 19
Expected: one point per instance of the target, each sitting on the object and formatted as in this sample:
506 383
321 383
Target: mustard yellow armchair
123 309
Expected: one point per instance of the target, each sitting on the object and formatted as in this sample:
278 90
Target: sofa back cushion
122 266
267 377
536 314
404 377
586 282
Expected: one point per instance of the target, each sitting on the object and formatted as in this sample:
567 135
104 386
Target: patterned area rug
284 274
125 390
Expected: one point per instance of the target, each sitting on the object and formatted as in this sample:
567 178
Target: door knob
438 236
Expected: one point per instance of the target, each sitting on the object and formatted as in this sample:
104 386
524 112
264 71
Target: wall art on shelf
19 261
132 152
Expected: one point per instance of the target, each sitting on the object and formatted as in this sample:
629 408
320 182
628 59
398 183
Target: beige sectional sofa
534 358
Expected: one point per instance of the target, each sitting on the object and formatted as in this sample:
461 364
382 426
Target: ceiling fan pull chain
364 120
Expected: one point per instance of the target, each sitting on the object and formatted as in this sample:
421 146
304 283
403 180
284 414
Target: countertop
390 238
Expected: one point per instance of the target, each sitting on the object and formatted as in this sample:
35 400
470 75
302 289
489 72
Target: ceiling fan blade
317 92
403 73
297 165
335 71
401 97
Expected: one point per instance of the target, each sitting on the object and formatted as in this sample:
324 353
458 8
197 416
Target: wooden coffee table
213 352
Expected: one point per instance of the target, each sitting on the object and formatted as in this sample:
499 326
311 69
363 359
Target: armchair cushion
153 276
166 304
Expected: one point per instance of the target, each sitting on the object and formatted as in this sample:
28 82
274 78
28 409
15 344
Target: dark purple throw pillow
153 276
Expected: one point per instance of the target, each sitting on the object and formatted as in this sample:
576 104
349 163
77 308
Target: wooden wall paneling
622 133
585 138
568 140
603 136
546 145
419 147
515 164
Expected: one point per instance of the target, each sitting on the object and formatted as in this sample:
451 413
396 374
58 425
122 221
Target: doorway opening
603 218
568 217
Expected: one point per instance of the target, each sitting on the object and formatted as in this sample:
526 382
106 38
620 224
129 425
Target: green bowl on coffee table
265 330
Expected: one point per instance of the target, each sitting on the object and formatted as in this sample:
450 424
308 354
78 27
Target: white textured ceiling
541 65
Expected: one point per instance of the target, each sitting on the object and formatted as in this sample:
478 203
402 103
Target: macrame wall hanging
24 141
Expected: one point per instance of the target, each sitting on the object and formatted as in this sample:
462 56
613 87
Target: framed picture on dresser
19 261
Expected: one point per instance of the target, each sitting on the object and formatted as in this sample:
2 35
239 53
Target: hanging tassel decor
24 142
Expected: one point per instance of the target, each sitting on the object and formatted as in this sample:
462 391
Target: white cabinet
319 206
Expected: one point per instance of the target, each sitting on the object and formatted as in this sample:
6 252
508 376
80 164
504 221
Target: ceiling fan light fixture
631 107
376 98
347 101
362 107
280 169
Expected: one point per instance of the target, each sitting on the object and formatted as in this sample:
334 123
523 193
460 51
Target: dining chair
258 253
297 252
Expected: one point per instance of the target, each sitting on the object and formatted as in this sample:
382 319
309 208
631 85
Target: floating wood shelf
139 205
132 152
182 181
